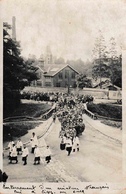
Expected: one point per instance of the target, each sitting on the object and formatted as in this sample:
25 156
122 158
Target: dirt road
99 158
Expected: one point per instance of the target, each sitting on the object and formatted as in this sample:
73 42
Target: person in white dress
10 146
76 144
37 155
34 141
13 155
25 153
19 146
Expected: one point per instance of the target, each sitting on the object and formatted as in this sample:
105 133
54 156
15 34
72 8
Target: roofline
65 65
73 68
40 69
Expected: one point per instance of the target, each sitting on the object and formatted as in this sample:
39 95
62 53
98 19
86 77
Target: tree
107 63
30 70
99 53
83 82
115 64
15 71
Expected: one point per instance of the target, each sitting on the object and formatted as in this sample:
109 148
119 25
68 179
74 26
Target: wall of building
65 77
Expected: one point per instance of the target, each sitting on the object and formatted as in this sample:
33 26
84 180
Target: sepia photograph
62 93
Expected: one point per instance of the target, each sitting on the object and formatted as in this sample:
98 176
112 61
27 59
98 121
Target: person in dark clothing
5 177
1 175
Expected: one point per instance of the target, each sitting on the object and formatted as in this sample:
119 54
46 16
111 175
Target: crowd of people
40 96
52 96
69 109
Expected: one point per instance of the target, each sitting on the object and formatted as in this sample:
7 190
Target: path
99 159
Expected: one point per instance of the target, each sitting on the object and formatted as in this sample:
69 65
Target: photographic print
62 96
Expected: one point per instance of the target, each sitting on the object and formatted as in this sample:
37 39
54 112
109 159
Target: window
48 83
73 75
48 79
58 84
60 75
66 73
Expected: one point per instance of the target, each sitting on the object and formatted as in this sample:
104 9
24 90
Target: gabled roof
107 85
53 69
41 69
97 82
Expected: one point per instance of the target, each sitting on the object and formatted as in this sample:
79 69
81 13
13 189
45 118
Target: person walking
13 155
63 143
10 146
19 146
68 145
25 153
47 155
54 117
76 144
34 141
37 155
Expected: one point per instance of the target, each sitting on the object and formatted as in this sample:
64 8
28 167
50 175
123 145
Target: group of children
20 148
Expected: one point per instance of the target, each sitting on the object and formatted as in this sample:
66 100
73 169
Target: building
56 75
106 84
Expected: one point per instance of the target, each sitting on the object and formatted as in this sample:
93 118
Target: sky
70 27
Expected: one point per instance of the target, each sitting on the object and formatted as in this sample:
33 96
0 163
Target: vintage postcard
62 89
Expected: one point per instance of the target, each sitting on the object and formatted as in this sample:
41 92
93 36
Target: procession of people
68 110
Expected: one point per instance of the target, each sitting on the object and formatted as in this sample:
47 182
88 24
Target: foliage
30 70
16 73
107 63
83 82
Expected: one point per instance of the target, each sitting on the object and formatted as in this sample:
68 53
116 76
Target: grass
19 129
106 110
112 123
12 131
30 110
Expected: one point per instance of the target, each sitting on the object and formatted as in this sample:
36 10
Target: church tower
48 56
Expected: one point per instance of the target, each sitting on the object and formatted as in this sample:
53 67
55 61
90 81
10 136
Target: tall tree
115 64
99 53
15 71
108 63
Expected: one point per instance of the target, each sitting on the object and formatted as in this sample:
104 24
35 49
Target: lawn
106 110
17 129
30 109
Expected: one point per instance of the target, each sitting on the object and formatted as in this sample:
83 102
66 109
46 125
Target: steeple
14 28
41 61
